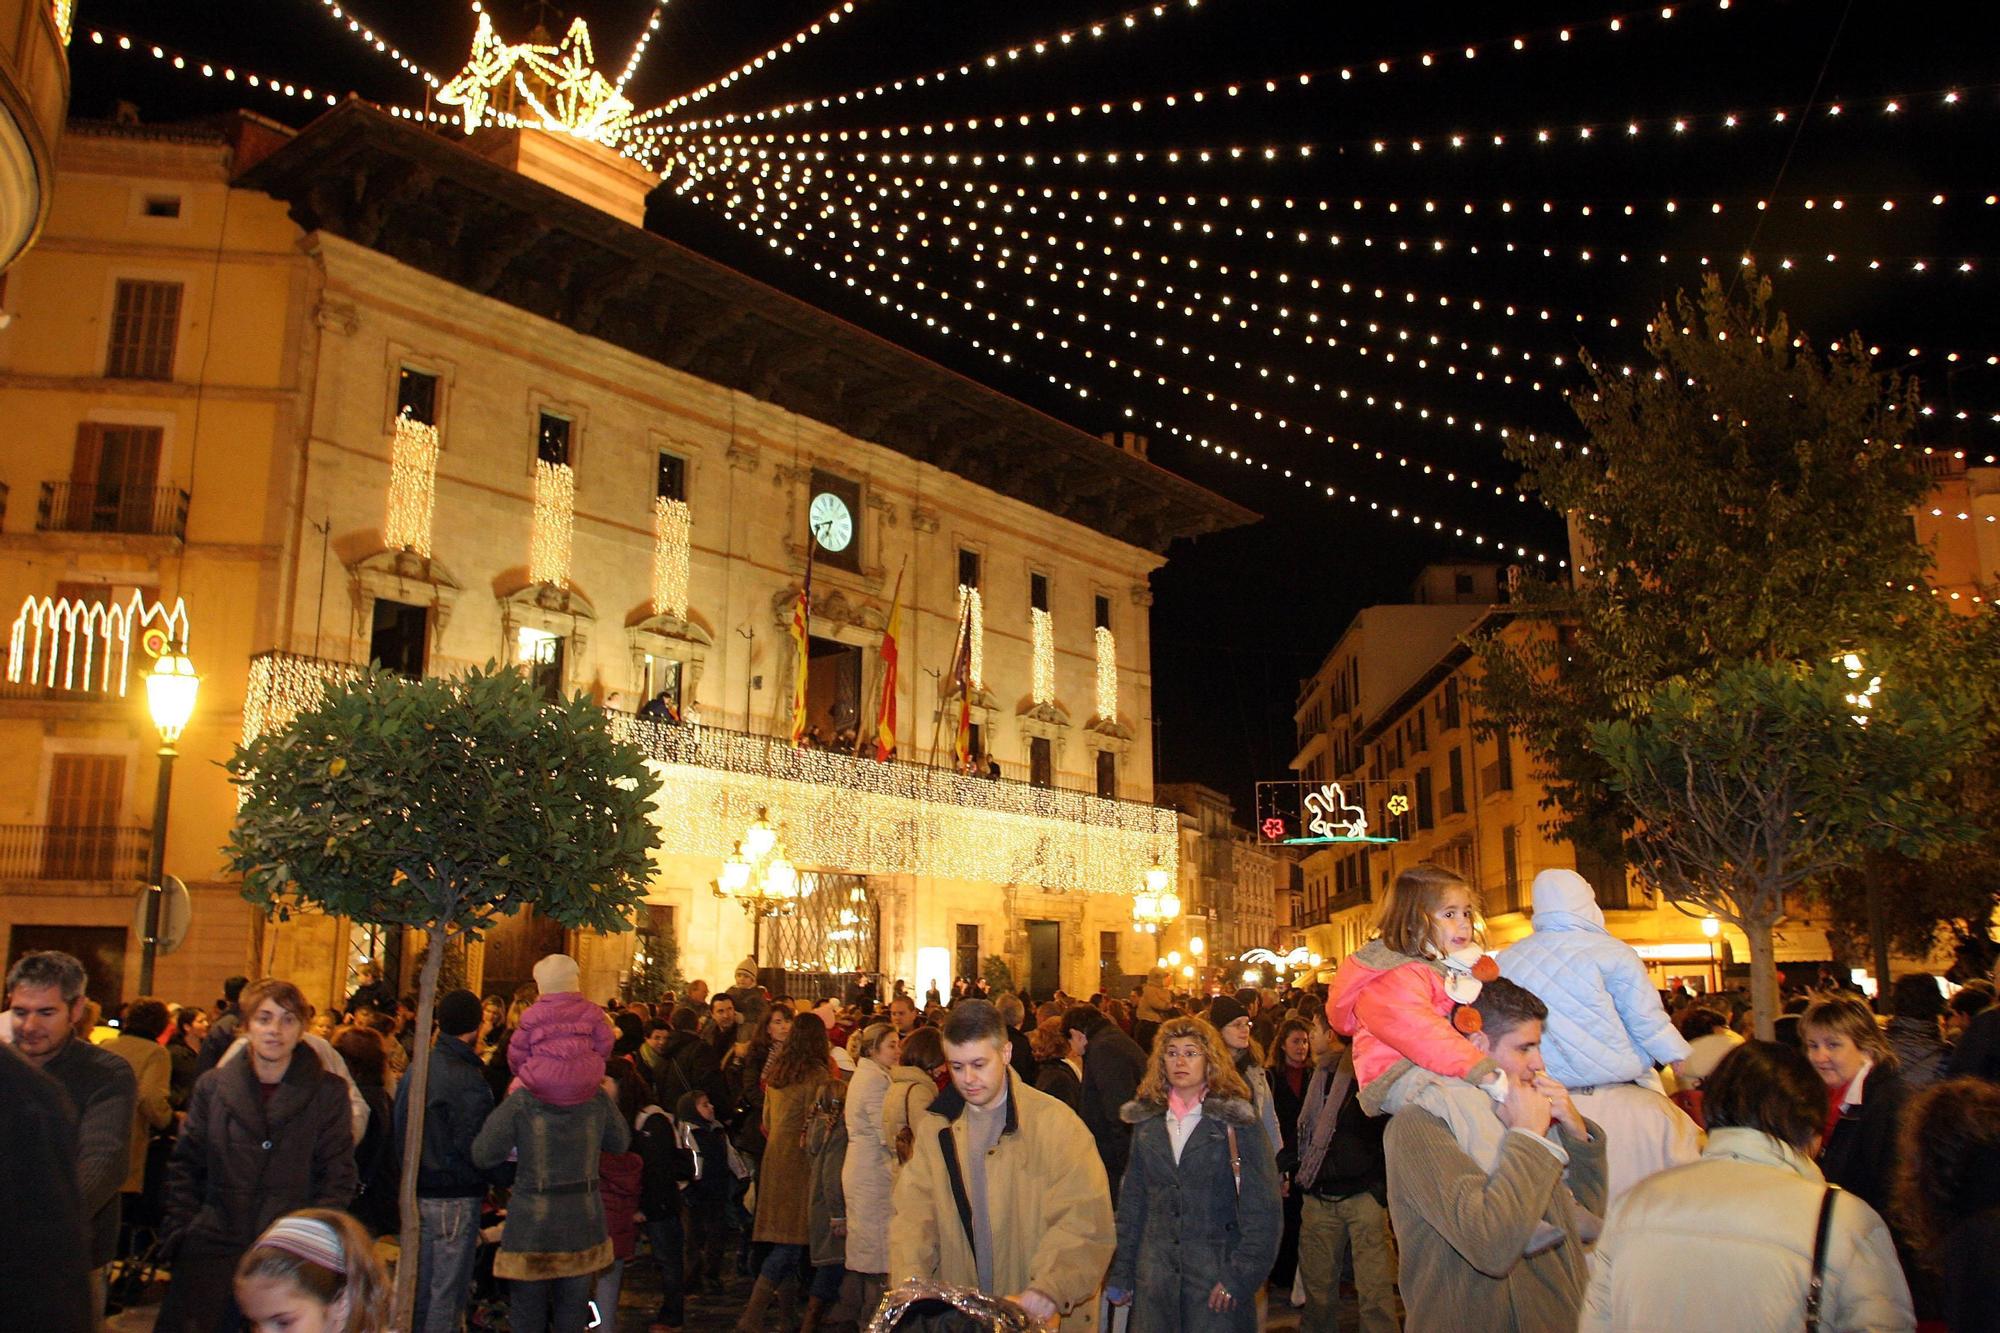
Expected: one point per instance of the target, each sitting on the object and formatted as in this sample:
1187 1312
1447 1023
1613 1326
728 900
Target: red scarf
1835 1094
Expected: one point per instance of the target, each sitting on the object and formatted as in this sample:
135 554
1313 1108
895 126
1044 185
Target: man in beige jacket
1005 1191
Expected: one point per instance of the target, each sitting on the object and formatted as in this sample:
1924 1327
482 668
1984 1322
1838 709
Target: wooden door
86 794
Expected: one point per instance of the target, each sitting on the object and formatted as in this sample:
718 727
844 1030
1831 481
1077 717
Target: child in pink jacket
1405 997
558 1052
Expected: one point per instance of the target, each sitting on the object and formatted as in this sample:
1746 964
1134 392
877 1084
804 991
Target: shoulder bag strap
958 1193
1235 1158
1816 1285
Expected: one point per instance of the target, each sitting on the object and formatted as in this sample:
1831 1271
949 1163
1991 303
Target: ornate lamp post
759 878
170 696
1156 906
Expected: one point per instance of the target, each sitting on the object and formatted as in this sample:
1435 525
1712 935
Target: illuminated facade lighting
71 644
413 458
673 524
1043 629
555 523
975 617
1107 675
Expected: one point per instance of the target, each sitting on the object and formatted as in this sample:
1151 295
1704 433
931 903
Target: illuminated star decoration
582 102
491 61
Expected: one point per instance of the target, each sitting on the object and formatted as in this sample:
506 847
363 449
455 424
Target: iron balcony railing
102 852
143 511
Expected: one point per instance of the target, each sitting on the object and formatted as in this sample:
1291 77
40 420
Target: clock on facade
832 526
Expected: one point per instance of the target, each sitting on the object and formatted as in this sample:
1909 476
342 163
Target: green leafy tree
1750 788
1740 498
443 806
656 967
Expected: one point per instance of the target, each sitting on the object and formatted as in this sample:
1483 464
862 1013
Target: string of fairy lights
963 235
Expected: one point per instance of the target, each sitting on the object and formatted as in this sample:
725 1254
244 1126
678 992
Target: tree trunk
419 1075
1763 976
1878 938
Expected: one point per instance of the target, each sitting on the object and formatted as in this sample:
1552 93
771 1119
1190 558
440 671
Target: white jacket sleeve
1865 1287
1640 1010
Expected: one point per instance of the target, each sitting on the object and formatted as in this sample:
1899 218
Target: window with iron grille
145 321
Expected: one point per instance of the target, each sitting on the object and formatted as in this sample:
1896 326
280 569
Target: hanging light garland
673 526
638 55
413 459
378 44
555 524
1042 634
756 63
207 70
80 645
1107 674
972 614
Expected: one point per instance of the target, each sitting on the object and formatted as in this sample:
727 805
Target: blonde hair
1846 1016
1223 1080
364 1283
1404 923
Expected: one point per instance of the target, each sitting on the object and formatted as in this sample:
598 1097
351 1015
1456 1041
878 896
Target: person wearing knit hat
558 974
1224 1010
450 1188
1606 1029
1230 1016
751 998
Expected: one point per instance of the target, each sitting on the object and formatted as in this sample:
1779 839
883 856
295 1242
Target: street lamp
759 877
170 696
1713 929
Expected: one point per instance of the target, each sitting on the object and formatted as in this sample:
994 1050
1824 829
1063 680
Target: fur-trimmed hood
1234 1110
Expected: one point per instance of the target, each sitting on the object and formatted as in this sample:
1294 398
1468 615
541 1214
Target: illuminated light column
672 526
555 523
1107 675
1044 637
413 459
968 596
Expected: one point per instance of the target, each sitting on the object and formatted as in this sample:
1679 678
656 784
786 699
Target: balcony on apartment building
113 509
73 853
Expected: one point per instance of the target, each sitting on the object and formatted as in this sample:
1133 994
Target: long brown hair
1404 922
364 1284
1286 1029
1951 1145
1223 1080
805 1054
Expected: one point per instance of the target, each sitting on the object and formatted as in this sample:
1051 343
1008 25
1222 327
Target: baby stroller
923 1306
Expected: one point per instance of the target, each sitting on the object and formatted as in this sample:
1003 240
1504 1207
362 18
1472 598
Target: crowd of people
1538 1140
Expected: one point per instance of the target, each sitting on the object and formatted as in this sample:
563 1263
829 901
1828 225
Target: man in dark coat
222 1032
683 1063
1338 1166
45 996
449 1187
44 1248
1113 1064
1013 1013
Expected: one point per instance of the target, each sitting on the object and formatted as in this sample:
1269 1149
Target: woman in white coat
867 1176
1743 1222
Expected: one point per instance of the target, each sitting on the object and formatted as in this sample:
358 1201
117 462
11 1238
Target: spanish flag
802 646
885 714
961 674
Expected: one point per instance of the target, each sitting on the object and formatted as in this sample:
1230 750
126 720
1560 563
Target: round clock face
832 526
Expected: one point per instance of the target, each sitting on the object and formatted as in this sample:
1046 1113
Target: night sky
1240 617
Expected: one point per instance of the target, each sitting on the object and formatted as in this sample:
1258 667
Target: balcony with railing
136 511
78 853
837 811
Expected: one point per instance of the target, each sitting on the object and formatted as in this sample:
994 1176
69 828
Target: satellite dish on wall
176 914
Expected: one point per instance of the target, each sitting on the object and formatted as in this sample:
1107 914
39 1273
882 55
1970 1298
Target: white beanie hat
557 974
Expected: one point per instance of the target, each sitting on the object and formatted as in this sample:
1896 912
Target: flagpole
957 646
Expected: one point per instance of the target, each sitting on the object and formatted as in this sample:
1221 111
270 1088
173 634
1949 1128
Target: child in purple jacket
559 1050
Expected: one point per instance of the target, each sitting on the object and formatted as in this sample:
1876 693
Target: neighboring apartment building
364 392
1209 910
34 98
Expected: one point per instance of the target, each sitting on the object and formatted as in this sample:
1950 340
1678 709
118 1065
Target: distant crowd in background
1439 1137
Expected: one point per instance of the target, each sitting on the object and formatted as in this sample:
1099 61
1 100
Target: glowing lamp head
1252 977
1197 945
170 694
735 875
1173 958
1157 879
1170 906
1711 927
782 877
760 837
1188 971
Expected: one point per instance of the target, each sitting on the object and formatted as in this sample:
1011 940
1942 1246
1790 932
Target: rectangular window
1101 612
552 439
400 635
541 656
660 691
1454 797
86 792
162 206
965 957
1108 965
671 483
1503 761
1041 761
975 740
114 477
1424 811
1451 703
1038 591
417 395
1462 584
1423 733
1107 775
968 568
145 321
1510 866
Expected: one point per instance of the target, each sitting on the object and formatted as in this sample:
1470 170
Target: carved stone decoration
830 607
923 520
1141 595
742 456
543 606
1109 734
668 636
1050 719
334 316
406 577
